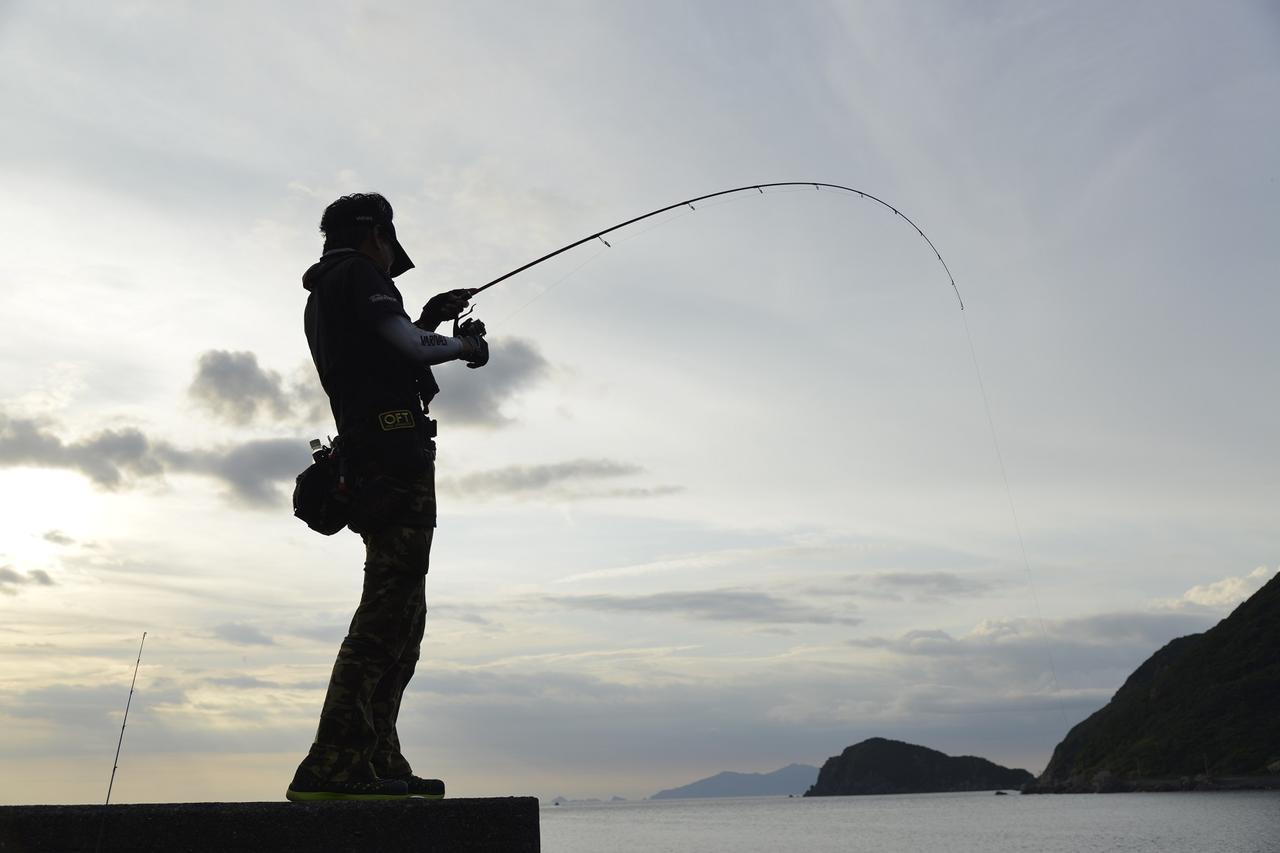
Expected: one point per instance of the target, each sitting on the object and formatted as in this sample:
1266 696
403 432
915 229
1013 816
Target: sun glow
44 511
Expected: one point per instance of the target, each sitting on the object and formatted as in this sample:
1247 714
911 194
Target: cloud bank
113 459
518 479
915 586
107 458
254 471
720 605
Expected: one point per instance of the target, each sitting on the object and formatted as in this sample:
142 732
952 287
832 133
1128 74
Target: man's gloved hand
475 351
443 306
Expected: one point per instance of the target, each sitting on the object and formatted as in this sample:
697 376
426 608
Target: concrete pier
496 825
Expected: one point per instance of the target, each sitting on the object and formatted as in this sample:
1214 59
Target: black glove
475 351
443 306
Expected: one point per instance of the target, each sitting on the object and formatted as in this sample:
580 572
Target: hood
327 261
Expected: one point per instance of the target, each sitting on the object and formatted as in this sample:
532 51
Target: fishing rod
115 765
817 185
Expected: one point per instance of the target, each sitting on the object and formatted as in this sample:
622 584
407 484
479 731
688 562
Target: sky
740 490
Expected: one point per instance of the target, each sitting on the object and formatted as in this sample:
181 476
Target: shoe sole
427 796
317 796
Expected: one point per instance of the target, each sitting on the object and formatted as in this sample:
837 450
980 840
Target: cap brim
400 263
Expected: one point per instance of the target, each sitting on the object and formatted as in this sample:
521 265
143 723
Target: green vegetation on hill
1204 705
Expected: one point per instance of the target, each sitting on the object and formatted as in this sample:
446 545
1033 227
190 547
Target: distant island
882 766
1201 713
590 801
792 779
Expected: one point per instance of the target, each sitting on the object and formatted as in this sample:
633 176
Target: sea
1189 822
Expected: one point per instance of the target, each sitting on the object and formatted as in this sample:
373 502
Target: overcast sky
726 496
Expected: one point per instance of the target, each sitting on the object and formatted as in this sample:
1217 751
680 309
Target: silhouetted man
375 365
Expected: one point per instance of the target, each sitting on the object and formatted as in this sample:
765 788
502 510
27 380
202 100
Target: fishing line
600 251
1017 525
689 205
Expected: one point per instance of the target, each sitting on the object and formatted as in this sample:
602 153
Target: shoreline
1104 783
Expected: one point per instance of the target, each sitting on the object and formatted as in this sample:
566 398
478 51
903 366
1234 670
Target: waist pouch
369 480
321 497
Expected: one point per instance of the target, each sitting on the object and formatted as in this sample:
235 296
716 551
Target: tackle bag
321 497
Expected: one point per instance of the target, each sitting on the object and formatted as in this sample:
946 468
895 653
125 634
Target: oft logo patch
396 420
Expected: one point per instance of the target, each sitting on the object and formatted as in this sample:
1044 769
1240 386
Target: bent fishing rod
817 185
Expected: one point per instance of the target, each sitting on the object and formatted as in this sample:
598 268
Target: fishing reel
465 325
472 332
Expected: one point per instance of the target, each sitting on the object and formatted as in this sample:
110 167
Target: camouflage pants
357 734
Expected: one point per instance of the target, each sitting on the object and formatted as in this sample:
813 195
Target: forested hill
881 766
1206 705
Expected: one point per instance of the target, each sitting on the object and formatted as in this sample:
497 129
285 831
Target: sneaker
306 788
427 789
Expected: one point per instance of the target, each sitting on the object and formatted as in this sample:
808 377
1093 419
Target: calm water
1236 822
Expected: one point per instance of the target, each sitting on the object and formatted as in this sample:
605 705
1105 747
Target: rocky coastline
1105 782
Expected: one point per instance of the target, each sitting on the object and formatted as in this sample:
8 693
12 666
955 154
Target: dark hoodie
373 390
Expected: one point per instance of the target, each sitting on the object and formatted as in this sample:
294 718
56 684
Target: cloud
523 479
242 635
463 613
253 469
1103 629
115 458
84 708
1012 651
246 682
920 586
739 559
105 458
637 492
1220 595
74 718
57 537
728 605
234 387
476 398
10 579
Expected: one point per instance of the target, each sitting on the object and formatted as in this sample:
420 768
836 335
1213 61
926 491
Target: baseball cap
367 209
